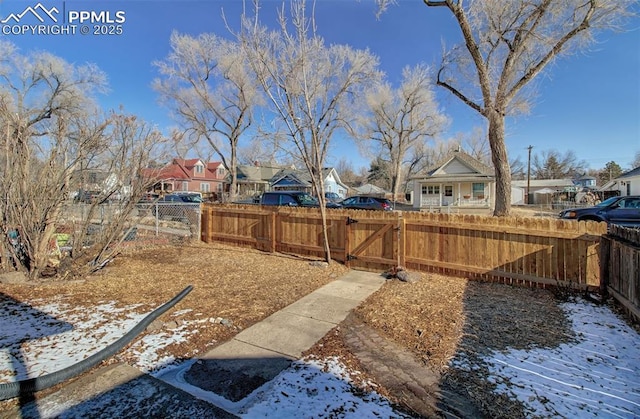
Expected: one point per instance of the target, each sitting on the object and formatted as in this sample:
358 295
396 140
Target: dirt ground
437 318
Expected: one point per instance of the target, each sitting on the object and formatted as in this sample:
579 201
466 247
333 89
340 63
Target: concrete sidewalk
256 355
231 371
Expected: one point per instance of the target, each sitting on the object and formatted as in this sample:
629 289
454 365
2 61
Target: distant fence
620 254
166 219
532 251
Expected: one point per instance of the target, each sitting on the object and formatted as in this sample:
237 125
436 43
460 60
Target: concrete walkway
231 371
256 355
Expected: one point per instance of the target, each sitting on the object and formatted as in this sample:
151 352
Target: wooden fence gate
374 244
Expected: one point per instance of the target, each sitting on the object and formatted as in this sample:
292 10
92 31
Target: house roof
171 171
181 169
630 173
302 177
292 177
256 174
543 183
369 189
473 164
612 185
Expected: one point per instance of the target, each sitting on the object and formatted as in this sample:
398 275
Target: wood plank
376 235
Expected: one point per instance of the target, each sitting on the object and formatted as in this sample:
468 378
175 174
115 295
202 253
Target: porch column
440 193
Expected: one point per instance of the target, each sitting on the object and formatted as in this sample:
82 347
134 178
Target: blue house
585 182
300 180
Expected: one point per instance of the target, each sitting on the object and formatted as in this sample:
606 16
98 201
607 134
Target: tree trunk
233 192
501 164
319 186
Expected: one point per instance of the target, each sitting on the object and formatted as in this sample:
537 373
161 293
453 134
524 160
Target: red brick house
192 175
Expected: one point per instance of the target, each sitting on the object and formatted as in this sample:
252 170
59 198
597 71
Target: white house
626 184
458 180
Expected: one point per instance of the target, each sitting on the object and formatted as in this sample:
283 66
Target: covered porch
457 193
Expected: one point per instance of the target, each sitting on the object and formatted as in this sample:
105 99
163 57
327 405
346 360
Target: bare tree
347 173
128 146
636 160
50 134
551 164
398 120
310 86
38 94
518 168
207 84
506 45
477 146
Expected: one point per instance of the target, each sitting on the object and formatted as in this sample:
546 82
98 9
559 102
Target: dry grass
437 318
240 285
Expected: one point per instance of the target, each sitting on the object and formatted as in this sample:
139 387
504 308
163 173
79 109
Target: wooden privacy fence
620 255
536 251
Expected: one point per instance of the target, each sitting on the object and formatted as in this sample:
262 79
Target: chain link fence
146 222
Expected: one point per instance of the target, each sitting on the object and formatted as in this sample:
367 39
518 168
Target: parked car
292 199
187 197
622 210
332 197
148 198
184 207
367 202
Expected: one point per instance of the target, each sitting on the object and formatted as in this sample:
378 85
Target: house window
430 190
204 187
220 187
448 190
220 171
199 169
185 186
478 190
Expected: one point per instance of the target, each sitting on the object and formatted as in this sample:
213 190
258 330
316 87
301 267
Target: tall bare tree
50 135
398 120
311 87
551 164
206 82
506 45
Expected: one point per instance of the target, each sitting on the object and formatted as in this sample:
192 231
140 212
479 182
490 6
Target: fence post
272 233
347 242
157 219
605 258
401 240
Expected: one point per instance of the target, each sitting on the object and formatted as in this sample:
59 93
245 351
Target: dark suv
622 210
288 198
292 199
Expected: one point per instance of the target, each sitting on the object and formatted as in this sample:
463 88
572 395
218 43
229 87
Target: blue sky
588 103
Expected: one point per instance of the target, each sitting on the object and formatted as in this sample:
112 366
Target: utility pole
528 173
